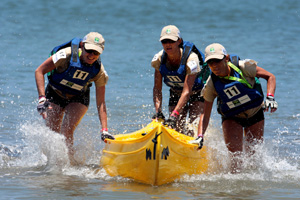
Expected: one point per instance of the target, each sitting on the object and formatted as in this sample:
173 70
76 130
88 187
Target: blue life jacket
175 79
235 97
75 79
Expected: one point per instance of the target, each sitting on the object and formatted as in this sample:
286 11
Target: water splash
44 151
43 147
41 151
266 165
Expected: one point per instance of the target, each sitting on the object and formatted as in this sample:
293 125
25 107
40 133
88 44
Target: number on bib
232 92
80 75
174 78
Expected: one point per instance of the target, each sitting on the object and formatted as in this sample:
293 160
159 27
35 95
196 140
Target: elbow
38 72
271 78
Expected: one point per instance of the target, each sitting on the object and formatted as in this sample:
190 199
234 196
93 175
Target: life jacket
175 79
75 79
235 94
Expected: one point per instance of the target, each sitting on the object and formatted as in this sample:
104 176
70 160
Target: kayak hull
154 155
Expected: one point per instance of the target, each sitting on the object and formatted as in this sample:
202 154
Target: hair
181 44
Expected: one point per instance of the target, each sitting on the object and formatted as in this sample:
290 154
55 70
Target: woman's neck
174 59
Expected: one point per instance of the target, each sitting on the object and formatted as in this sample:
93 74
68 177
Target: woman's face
219 66
89 56
170 46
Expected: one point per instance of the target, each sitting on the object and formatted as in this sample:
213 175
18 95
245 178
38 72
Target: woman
240 101
71 69
178 65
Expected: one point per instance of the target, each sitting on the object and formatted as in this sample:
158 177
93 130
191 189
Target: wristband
175 113
104 129
270 94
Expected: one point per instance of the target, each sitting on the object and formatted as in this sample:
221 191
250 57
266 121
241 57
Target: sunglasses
215 60
96 53
166 41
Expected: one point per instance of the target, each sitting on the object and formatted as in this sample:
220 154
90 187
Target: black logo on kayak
165 152
148 154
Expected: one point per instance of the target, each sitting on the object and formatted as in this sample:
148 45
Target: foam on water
43 149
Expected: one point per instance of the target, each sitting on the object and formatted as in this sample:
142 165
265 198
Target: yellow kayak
153 155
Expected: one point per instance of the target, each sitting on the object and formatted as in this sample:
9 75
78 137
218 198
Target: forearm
271 85
101 106
44 68
157 99
102 115
40 82
157 91
184 98
186 92
203 124
204 118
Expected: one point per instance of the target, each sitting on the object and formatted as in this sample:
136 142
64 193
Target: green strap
232 78
204 73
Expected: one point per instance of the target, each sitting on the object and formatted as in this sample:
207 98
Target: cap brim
170 37
93 47
214 57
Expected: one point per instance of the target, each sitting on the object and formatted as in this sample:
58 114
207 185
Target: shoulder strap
241 80
75 46
64 45
234 59
187 46
200 54
163 58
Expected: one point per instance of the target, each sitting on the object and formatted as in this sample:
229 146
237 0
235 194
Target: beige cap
94 41
170 32
215 51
